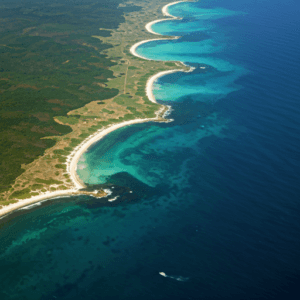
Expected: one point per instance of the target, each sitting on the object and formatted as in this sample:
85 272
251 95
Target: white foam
30 206
113 199
108 192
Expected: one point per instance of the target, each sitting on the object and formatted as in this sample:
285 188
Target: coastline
151 80
165 9
48 195
165 13
133 48
149 29
149 25
72 159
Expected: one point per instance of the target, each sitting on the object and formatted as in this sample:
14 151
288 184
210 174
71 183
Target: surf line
151 80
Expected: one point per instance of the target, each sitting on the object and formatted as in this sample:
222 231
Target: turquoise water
210 199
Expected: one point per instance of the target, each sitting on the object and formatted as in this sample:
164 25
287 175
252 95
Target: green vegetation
108 111
72 120
60 166
84 135
49 64
75 142
62 79
36 186
49 181
22 194
8 202
34 194
170 64
62 187
61 152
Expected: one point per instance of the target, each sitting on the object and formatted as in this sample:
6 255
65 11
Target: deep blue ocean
211 199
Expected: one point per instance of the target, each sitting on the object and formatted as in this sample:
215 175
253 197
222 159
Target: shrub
61 152
22 194
34 194
49 181
62 187
61 166
9 202
36 186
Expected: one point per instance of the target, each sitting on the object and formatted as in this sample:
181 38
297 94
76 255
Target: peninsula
54 173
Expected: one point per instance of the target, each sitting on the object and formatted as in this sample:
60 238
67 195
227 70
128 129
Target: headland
133 77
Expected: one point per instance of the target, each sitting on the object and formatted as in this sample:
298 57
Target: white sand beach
72 161
151 80
73 158
48 195
149 25
149 29
165 13
133 48
165 9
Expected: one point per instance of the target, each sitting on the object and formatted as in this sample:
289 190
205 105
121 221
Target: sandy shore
48 195
165 13
165 9
73 158
149 25
151 80
133 48
149 29
72 162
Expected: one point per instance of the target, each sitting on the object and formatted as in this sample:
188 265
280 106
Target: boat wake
178 278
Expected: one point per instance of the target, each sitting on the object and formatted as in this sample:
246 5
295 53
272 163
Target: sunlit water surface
211 199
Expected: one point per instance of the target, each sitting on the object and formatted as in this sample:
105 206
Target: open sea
211 199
